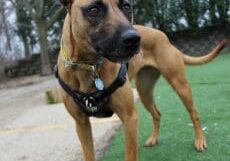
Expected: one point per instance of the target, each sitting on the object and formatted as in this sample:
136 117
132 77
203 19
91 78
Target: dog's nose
130 38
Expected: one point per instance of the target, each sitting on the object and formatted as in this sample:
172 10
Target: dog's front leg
131 132
84 132
83 128
123 105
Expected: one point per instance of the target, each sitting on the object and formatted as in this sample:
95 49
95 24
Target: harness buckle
67 64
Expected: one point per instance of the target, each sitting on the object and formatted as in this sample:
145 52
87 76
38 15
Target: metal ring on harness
90 104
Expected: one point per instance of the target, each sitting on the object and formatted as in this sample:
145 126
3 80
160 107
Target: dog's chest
94 103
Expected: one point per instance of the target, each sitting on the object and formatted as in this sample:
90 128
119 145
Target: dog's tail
189 60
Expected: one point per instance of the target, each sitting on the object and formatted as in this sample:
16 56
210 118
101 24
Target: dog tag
99 84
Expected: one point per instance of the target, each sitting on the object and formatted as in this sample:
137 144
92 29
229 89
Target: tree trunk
26 48
42 34
5 27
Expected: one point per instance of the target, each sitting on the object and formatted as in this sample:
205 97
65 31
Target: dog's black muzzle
121 46
130 39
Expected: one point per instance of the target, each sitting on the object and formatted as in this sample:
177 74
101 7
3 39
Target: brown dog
102 28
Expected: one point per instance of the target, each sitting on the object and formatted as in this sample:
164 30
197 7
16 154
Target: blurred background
30 31
33 130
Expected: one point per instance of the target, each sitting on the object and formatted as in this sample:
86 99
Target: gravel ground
30 130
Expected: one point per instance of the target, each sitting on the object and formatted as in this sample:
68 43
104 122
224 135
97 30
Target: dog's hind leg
145 81
179 83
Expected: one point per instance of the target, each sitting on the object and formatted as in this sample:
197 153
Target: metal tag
99 84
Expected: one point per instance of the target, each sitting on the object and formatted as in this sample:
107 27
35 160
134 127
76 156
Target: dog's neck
77 48
77 51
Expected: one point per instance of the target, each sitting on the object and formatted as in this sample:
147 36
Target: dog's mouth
119 59
118 56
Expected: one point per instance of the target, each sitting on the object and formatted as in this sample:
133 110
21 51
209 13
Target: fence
200 42
28 66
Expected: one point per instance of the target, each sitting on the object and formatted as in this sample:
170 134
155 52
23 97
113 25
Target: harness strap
94 103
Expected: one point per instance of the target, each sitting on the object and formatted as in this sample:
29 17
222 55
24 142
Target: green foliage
191 8
163 14
25 26
167 14
26 14
50 98
46 16
211 90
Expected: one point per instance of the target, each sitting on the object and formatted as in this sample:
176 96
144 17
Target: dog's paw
200 145
151 141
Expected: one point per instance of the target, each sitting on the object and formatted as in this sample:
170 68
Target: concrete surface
30 130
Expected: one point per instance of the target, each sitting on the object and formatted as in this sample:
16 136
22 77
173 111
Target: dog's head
106 26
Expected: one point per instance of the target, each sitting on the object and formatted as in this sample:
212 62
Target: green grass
211 92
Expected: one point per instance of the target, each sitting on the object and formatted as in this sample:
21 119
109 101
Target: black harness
95 103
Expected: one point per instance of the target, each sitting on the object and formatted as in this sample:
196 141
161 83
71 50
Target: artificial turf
211 92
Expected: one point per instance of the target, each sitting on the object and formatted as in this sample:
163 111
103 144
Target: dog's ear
66 3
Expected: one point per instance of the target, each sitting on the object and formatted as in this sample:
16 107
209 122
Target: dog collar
80 66
68 63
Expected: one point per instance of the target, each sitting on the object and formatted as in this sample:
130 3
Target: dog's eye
126 7
94 11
